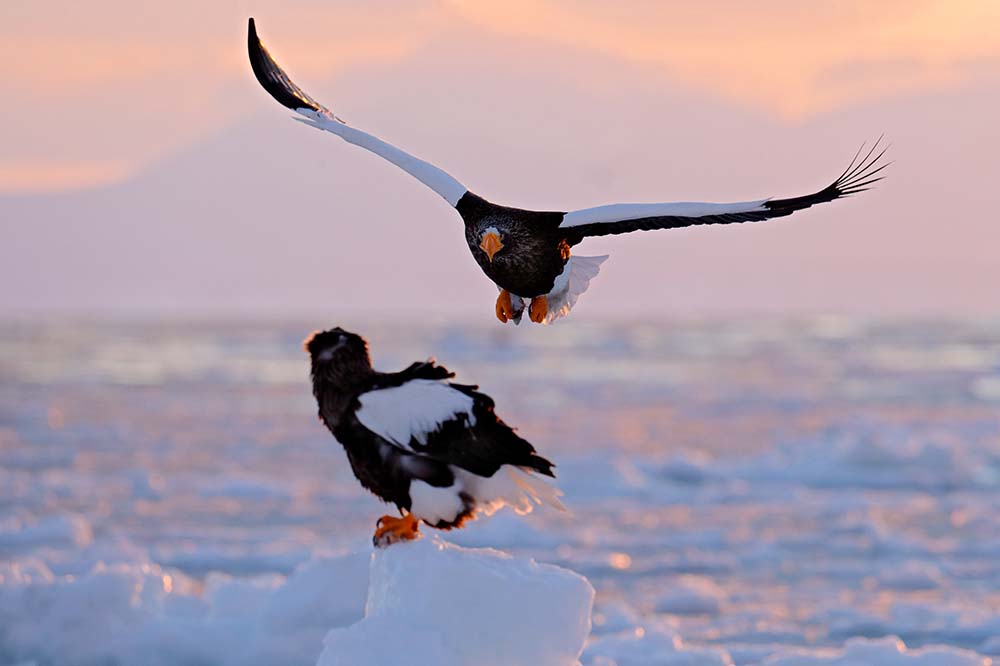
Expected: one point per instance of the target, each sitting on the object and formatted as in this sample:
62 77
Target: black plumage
540 251
526 253
455 449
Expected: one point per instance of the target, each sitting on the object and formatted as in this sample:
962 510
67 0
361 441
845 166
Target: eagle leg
539 308
389 530
505 309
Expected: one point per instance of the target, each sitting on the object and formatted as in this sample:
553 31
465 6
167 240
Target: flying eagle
527 253
434 448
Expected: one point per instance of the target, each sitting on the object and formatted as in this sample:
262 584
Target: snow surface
755 493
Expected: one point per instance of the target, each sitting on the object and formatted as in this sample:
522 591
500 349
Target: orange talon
505 309
389 530
539 308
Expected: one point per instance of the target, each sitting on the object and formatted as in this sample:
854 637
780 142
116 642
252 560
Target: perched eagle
433 448
527 253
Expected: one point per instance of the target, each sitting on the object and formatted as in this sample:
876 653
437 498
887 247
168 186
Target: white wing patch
428 174
622 212
413 410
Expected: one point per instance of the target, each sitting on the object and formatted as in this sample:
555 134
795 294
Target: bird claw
539 308
390 530
505 308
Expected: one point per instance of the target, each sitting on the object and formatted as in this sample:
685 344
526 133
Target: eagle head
337 352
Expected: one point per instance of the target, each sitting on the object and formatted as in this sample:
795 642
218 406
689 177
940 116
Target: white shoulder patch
622 212
413 410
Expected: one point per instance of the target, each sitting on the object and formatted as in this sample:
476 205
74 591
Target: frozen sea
750 492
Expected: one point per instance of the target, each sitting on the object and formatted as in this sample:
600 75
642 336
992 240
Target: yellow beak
491 244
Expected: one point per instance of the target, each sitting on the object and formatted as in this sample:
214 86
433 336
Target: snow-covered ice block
434 603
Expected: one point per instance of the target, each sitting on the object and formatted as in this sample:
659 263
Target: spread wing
445 422
276 82
623 218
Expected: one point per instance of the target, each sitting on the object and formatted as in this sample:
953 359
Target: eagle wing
624 218
276 82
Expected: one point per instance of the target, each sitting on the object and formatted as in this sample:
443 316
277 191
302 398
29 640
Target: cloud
112 83
27 177
131 87
787 58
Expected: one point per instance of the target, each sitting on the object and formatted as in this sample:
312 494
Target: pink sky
143 171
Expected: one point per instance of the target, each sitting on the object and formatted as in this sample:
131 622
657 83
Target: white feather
566 290
621 212
428 174
519 304
434 504
413 410
519 488
571 283
538 489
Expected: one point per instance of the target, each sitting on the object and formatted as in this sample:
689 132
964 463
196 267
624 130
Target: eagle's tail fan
534 488
520 488
571 284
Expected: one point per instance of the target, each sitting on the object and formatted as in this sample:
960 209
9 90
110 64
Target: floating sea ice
911 575
691 595
888 651
67 530
614 617
142 615
651 647
430 602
